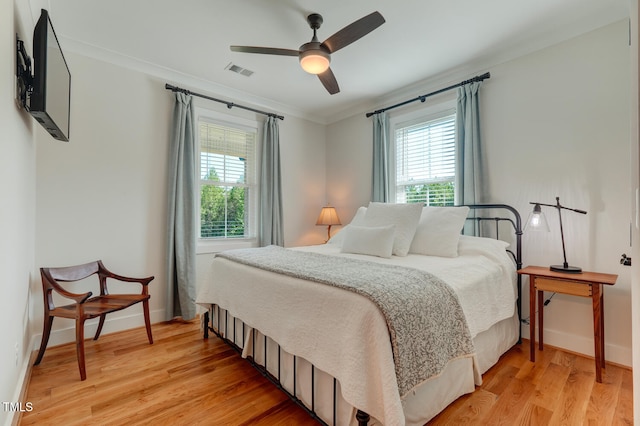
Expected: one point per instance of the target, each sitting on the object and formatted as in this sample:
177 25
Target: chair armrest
105 273
144 281
77 297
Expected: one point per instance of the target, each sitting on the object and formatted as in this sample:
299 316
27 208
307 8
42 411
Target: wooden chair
85 306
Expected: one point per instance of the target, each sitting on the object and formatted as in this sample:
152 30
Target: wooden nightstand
585 284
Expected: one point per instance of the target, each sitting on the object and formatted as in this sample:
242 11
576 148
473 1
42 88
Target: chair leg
147 319
45 338
80 347
100 324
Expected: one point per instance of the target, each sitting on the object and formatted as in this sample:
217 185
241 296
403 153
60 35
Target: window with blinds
425 162
227 180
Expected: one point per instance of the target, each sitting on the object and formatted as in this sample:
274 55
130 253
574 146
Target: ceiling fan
315 56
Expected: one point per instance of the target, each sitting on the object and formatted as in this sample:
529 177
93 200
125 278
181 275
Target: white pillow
359 216
338 237
373 241
439 230
404 216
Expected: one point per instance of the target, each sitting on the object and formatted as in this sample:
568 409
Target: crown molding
182 79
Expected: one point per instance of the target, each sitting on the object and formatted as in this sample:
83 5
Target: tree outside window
227 180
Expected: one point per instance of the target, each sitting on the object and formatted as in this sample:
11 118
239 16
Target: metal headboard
511 216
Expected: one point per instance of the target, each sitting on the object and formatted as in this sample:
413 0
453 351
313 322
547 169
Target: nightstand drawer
565 287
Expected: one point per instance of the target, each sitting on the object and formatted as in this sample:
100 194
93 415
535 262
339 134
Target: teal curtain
380 185
271 230
469 172
182 233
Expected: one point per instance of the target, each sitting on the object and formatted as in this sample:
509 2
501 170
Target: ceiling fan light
314 62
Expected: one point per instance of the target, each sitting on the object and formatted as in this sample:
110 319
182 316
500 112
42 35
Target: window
228 186
425 161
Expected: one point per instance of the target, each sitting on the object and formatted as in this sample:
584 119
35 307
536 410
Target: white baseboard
620 355
20 394
111 325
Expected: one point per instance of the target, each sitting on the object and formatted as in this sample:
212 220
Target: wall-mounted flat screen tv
50 99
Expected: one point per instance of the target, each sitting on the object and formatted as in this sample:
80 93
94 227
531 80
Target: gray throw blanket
426 323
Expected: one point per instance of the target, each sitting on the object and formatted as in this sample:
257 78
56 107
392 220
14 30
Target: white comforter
345 334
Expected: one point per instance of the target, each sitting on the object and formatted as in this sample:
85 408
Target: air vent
238 69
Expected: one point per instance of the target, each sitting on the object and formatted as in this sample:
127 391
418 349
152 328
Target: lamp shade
537 221
314 61
328 216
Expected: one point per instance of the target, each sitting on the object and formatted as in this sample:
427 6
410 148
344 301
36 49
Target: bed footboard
217 322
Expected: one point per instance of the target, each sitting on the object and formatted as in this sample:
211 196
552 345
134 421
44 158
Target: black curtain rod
424 97
228 104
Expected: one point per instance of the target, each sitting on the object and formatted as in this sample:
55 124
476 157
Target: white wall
554 123
102 195
17 211
635 186
563 115
349 165
302 156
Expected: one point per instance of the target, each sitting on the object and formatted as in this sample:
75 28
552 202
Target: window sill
216 246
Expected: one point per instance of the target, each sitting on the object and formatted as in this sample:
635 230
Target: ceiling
187 43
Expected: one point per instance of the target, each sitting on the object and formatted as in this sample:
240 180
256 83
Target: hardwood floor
183 379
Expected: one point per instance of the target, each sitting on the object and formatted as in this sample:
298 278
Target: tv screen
50 99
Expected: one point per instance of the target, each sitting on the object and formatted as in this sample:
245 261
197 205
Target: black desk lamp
537 220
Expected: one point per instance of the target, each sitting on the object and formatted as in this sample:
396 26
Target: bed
307 318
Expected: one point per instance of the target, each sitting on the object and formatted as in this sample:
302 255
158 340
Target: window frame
217 244
422 115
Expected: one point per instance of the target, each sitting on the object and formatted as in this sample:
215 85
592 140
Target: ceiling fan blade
329 81
265 50
353 32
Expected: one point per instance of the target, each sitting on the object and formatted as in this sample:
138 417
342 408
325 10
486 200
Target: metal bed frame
212 319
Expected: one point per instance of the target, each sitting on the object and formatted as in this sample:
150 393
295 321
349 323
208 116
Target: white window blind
227 180
425 162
